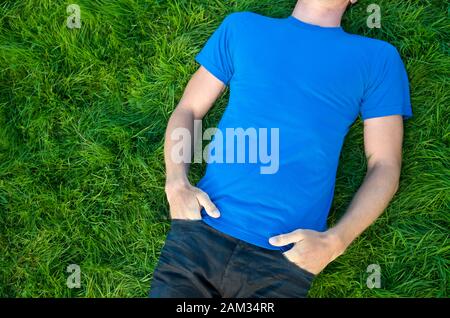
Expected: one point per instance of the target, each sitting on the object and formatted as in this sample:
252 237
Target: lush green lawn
82 118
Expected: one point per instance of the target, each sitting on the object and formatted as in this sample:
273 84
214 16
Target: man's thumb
285 239
205 202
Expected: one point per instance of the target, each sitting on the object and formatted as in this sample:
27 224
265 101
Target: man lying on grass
245 233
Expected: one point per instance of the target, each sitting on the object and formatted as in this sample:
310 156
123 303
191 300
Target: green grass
82 119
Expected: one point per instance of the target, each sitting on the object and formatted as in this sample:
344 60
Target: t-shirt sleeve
216 55
387 92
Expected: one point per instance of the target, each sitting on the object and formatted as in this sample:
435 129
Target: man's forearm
369 202
185 200
176 173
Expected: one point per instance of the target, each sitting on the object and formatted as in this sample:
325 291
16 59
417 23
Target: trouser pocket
295 267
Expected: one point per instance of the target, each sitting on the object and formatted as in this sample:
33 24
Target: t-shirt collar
293 20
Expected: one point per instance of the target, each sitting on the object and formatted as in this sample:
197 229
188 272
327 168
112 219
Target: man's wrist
338 241
174 183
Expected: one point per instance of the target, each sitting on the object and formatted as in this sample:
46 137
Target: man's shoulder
245 15
373 44
242 18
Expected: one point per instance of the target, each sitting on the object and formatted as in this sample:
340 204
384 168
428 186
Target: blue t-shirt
311 83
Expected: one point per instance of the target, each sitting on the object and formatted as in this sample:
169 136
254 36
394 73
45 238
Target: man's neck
319 13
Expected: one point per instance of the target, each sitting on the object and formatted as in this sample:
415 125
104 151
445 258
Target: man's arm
313 251
199 95
383 146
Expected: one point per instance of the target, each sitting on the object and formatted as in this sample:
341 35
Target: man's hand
312 250
186 202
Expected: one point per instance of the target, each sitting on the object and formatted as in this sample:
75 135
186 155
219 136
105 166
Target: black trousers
198 261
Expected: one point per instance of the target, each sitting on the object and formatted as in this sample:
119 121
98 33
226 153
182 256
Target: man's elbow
190 110
388 171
